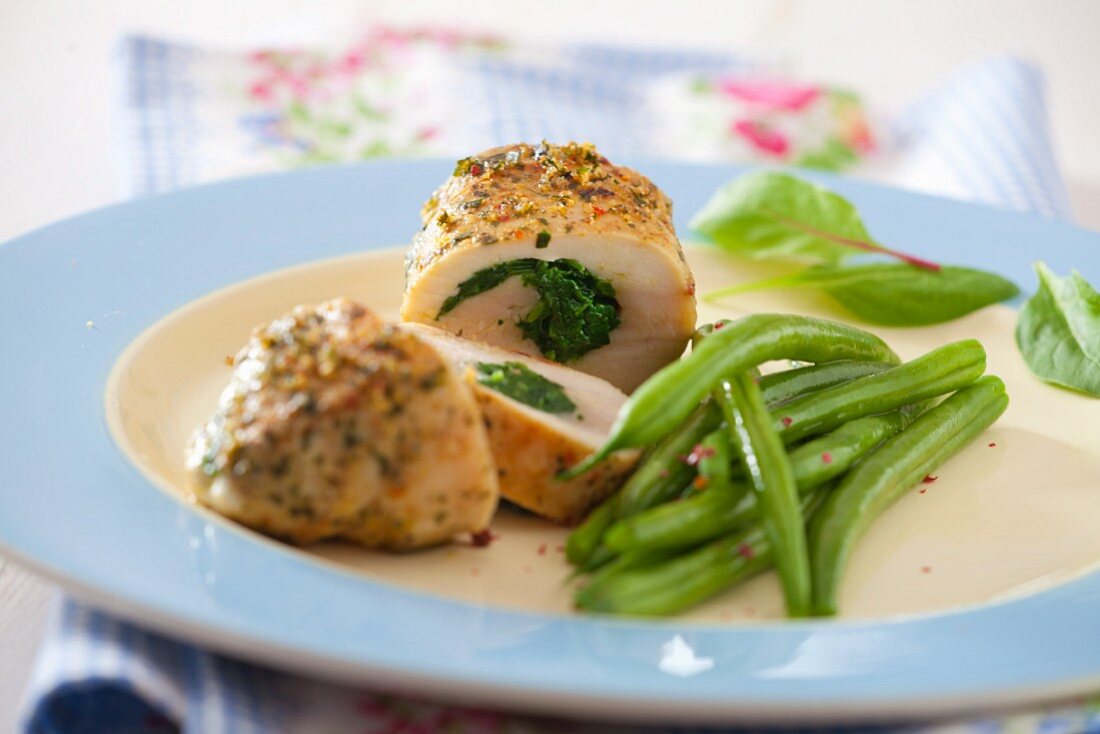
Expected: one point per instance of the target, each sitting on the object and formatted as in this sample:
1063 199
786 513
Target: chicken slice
571 416
555 252
336 424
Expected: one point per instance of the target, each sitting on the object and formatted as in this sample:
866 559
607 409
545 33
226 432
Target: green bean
681 582
660 476
714 462
667 398
632 561
772 481
705 516
889 472
827 457
780 387
586 537
685 580
939 372
599 558
665 473
707 329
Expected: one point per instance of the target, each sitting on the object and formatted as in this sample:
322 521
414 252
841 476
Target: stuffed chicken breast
555 252
336 424
541 418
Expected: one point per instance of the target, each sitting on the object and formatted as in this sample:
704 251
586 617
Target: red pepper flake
698 453
993 444
476 169
787 421
926 569
482 538
719 325
923 490
542 549
745 551
827 457
929 478
700 483
599 211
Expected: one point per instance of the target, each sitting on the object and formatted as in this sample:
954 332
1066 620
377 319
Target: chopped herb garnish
521 383
210 465
542 239
576 311
463 166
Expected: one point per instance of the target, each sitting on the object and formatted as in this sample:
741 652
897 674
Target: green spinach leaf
575 313
1058 332
896 294
521 383
771 214
484 280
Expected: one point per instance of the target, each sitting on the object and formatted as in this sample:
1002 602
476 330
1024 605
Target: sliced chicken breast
336 424
541 418
553 251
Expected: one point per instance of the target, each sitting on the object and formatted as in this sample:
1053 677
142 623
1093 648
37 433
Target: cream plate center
1013 514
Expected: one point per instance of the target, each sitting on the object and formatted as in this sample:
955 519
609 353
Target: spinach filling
576 311
521 383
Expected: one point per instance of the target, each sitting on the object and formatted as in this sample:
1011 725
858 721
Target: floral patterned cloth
401 93
193 115
382 97
747 118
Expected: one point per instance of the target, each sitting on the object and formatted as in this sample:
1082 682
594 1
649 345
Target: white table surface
55 87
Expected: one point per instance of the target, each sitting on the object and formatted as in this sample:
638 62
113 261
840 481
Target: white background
55 97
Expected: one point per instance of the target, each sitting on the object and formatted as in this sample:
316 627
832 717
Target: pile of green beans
669 397
662 476
707 515
745 473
